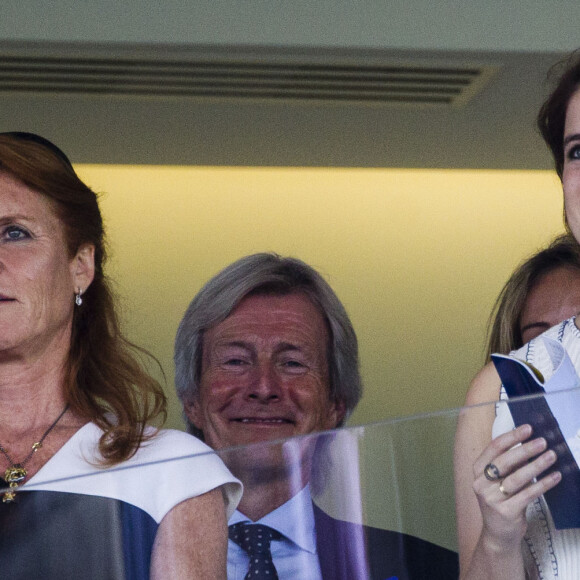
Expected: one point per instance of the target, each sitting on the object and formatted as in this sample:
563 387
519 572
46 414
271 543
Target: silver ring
502 489
491 472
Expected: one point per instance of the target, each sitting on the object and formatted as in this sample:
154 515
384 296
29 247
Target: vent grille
411 84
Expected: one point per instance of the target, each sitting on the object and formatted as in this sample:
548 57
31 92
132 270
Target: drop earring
78 299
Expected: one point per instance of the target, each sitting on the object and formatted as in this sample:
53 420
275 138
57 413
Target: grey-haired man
264 352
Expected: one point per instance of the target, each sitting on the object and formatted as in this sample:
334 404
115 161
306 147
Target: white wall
496 25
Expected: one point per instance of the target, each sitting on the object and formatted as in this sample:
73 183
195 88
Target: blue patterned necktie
255 540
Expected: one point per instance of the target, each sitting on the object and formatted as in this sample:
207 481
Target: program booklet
555 417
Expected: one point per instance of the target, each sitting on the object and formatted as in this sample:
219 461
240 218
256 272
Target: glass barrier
368 502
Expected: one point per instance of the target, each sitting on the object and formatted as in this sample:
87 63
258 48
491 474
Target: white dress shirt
295 556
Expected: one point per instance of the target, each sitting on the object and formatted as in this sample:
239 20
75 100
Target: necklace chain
17 473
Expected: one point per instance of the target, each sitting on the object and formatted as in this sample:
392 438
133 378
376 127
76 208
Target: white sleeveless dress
549 554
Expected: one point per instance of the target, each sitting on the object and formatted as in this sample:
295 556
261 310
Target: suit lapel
341 548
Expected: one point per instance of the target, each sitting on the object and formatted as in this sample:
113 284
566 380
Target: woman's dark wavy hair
104 382
552 116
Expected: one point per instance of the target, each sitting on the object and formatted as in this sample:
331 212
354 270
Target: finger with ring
491 472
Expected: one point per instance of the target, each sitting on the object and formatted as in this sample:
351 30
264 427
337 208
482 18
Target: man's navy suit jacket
350 551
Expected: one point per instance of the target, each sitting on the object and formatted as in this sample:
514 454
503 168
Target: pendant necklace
16 473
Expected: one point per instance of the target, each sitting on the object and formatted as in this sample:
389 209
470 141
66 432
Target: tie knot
253 538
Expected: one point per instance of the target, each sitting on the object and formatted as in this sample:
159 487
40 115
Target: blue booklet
555 417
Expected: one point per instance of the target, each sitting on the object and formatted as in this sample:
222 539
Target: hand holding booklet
555 417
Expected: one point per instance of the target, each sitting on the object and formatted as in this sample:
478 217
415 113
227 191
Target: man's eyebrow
289 346
570 138
234 344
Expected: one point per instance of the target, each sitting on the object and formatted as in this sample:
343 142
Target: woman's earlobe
84 266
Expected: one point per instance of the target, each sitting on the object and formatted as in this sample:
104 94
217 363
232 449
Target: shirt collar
293 519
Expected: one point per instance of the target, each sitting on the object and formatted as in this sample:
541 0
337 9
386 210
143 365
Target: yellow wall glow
417 256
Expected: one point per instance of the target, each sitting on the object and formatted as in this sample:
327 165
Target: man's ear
340 410
193 412
83 267
336 414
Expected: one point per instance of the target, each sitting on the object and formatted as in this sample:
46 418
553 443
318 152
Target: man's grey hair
266 273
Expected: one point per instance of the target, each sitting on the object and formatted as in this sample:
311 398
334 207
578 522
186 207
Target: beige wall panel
417 256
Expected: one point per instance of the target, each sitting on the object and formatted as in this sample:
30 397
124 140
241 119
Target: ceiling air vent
352 83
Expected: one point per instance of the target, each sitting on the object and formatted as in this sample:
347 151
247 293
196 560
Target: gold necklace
17 473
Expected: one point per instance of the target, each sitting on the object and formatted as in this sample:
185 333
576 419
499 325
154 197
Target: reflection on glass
372 502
